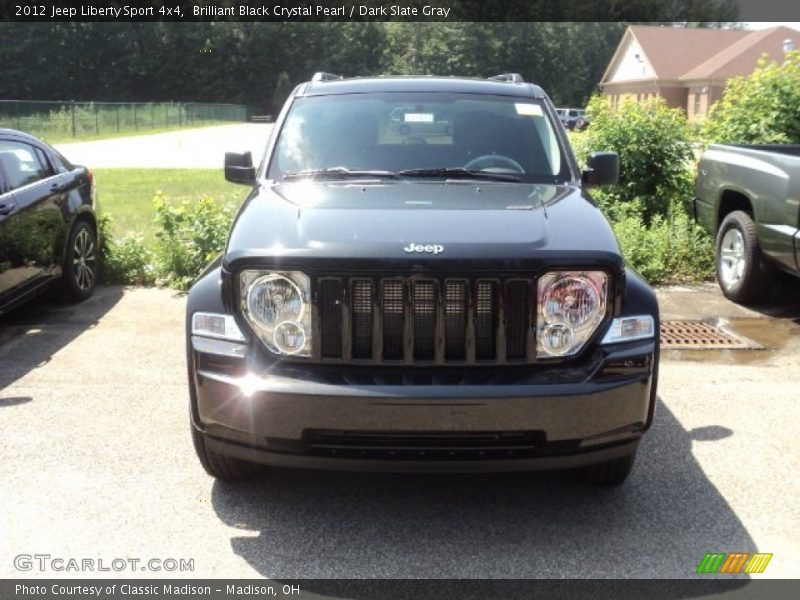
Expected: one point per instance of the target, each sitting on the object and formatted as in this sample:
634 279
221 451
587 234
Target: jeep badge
427 248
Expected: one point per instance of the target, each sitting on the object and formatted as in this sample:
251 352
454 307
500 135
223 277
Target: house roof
680 54
673 51
741 57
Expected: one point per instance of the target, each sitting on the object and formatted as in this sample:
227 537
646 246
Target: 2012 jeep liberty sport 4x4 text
418 280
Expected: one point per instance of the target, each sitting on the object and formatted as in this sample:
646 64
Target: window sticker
418 117
529 110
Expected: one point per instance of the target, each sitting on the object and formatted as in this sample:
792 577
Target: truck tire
741 272
219 466
609 473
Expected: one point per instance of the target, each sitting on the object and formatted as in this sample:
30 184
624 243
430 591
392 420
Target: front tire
741 272
609 473
79 271
219 466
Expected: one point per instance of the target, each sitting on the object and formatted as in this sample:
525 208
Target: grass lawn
66 138
127 194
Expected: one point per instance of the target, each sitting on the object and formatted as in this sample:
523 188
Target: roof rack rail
509 77
322 76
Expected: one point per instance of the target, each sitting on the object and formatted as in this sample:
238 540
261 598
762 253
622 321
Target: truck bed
790 149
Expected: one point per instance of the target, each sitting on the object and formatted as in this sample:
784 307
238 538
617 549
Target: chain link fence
65 120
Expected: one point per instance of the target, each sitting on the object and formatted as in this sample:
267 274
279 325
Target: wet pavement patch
766 338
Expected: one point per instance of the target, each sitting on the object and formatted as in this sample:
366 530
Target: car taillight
90 181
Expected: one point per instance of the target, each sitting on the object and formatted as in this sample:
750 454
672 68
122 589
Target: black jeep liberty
418 280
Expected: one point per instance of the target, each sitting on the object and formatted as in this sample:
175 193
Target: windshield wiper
339 173
459 173
447 172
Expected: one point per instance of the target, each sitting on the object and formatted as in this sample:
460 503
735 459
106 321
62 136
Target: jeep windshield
423 136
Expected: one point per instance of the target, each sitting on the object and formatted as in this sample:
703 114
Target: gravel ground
202 148
97 462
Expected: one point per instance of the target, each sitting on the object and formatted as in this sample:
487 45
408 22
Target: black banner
391 10
398 589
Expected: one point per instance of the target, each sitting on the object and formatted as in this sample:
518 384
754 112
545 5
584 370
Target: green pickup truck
749 197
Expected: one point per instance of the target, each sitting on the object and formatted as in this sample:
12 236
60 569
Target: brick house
688 67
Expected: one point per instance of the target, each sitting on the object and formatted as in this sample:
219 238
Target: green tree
762 108
652 141
283 88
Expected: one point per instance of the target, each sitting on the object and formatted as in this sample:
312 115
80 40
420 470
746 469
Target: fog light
557 339
289 337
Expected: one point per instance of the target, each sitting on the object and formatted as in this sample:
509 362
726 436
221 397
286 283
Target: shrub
653 143
125 261
191 234
670 249
130 261
762 108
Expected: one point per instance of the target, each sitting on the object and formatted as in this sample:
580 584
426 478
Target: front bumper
295 420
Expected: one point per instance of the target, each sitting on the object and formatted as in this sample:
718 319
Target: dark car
456 304
574 118
48 231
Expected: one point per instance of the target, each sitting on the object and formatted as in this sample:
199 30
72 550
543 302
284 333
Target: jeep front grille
409 320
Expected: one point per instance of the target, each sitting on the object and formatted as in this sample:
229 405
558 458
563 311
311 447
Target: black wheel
79 273
218 466
741 272
609 473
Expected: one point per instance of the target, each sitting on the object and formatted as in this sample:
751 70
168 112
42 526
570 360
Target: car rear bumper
291 422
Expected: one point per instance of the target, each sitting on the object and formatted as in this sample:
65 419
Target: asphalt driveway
97 462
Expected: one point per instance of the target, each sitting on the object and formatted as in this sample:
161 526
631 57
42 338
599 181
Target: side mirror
602 168
239 168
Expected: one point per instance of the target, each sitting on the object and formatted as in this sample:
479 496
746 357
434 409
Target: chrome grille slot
330 314
424 303
517 318
455 320
361 307
392 311
485 319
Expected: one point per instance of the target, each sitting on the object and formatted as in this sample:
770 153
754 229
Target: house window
698 103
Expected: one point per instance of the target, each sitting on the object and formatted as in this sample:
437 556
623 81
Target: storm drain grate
695 335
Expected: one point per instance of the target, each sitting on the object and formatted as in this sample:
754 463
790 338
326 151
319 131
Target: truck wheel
79 272
609 473
741 272
219 466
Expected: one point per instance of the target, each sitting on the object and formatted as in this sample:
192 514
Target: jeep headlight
276 304
571 305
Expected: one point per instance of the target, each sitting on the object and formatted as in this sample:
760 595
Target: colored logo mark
735 562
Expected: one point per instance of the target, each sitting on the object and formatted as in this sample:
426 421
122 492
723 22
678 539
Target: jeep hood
315 221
